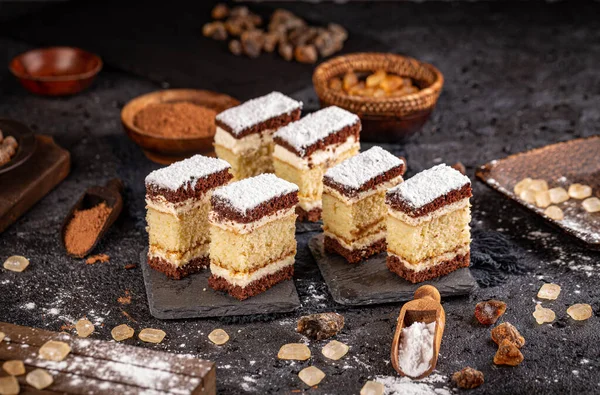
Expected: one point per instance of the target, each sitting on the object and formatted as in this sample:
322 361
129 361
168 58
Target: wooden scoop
426 308
93 196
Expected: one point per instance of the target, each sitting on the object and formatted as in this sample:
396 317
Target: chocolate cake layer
441 269
354 256
179 272
224 210
255 287
269 124
451 197
313 215
334 138
186 191
369 185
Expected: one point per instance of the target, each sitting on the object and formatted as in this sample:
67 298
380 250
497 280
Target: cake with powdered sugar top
364 171
186 171
265 112
315 131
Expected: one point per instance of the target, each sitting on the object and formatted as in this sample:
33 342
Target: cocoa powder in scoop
84 227
176 120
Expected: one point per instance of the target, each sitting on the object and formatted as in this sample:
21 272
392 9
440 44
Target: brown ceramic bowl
384 119
56 71
168 150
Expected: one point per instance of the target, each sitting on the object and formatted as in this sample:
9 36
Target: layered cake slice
428 233
354 209
244 135
177 203
253 245
305 149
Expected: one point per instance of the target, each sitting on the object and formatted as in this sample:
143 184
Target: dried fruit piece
350 80
9 385
549 291
580 311
150 335
558 195
508 354
335 84
391 83
555 213
311 375
296 351
538 185
372 388
580 191
84 327
543 315
468 378
218 336
522 185
376 78
528 195
507 331
220 11
542 199
39 379
16 263
54 350
14 367
335 350
122 332
591 205
488 312
320 326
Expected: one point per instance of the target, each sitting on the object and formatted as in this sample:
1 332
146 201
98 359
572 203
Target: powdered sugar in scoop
257 110
428 185
249 193
315 127
189 170
416 348
360 169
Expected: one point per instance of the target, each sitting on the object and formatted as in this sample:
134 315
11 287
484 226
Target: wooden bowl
166 150
384 119
56 71
25 138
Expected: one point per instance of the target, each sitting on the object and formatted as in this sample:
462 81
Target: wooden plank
100 367
25 185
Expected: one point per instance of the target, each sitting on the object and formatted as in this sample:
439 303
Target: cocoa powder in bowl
176 120
84 228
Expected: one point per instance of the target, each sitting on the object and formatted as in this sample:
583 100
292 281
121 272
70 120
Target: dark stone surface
191 297
371 282
517 77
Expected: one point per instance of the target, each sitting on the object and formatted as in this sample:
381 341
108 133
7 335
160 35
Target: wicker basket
427 77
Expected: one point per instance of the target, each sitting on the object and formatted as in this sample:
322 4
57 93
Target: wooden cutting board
25 185
100 367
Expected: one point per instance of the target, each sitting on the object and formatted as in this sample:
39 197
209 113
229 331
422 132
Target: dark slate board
303 227
174 299
370 282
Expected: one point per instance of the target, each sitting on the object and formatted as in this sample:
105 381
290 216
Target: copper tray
561 164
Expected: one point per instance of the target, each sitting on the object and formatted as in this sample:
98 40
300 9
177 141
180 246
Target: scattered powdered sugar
249 193
257 110
428 185
416 348
315 127
360 169
189 170
431 385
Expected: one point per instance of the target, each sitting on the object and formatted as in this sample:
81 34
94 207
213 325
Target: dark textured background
517 76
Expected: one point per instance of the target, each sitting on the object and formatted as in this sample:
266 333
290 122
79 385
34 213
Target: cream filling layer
309 204
361 195
361 243
251 142
159 203
244 279
434 261
244 228
178 258
416 221
317 157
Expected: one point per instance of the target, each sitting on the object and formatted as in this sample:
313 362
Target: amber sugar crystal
508 354
555 213
335 350
14 367
9 385
54 350
488 312
84 327
549 291
150 335
580 191
591 205
218 336
122 332
39 379
580 311
543 315
295 351
507 331
16 263
372 388
311 375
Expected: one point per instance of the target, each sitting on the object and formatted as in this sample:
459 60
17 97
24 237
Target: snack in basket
305 149
178 202
354 207
252 230
244 135
428 233
378 84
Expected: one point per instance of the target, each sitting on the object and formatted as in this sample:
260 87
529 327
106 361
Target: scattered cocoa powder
125 299
83 230
181 119
97 258
130 266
